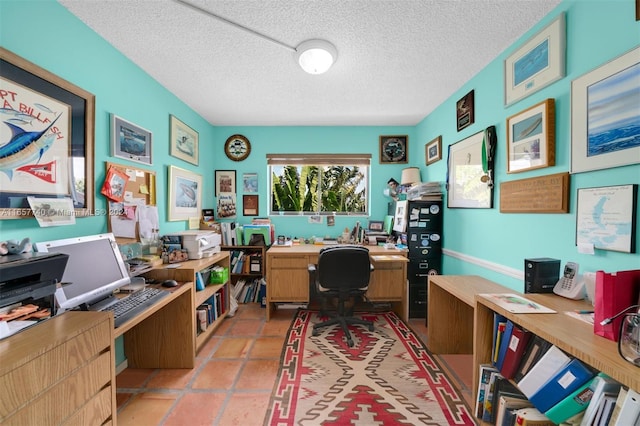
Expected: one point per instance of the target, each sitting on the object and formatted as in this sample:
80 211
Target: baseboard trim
121 367
501 269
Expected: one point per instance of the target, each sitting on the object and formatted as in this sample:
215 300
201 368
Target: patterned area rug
387 378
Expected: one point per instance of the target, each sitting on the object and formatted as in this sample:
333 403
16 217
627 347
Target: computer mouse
169 283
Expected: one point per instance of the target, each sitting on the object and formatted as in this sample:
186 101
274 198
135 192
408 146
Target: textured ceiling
397 59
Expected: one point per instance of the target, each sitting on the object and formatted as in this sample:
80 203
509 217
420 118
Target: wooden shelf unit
187 273
61 371
248 276
456 307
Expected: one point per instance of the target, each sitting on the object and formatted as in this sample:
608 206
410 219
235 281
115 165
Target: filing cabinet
424 242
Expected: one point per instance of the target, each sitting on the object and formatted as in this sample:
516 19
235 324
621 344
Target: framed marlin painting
531 138
185 194
46 139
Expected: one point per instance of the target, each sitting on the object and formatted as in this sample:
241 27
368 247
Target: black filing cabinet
424 241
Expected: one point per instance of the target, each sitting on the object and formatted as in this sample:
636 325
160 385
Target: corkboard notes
544 194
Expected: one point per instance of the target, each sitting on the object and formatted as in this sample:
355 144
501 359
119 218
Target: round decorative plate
237 147
394 150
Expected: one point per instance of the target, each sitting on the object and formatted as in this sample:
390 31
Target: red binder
614 292
517 344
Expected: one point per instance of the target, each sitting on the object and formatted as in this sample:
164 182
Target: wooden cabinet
60 371
187 273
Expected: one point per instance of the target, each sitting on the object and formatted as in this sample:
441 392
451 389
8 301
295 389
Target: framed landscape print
185 194
129 141
184 141
57 162
531 138
605 115
539 62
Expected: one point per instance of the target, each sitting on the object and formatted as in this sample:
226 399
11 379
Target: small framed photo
604 115
539 62
433 150
531 138
184 141
250 205
394 149
129 141
464 111
250 182
225 181
185 194
376 225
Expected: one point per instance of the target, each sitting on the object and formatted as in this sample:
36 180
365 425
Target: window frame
362 161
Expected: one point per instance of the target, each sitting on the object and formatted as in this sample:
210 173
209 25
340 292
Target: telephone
570 284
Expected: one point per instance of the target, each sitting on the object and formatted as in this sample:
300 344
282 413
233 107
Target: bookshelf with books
198 273
572 351
247 269
463 302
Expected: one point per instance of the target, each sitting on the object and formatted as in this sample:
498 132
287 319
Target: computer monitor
95 268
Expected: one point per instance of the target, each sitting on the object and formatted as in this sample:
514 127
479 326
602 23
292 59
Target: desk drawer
289 262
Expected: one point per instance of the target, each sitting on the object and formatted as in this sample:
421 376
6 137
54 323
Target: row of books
235 234
210 310
250 291
530 381
244 262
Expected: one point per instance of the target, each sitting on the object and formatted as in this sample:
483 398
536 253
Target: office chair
342 272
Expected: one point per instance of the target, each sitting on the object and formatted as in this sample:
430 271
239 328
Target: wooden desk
461 321
163 336
451 309
288 276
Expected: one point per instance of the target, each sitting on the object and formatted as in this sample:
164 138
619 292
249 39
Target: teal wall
490 243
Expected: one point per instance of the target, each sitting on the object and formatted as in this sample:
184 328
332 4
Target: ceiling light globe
316 56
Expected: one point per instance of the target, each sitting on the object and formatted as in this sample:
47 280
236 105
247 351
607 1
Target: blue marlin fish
24 147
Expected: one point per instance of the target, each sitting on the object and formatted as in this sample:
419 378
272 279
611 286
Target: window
319 184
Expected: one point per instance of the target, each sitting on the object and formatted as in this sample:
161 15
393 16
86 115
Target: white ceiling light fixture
316 56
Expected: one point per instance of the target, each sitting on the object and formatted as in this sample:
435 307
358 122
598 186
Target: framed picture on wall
250 205
184 141
225 181
539 62
58 161
185 194
433 150
394 149
470 171
250 182
605 115
465 115
531 138
129 141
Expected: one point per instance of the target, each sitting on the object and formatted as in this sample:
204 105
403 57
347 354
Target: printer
29 279
199 244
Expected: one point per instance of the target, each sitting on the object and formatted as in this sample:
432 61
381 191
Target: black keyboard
132 305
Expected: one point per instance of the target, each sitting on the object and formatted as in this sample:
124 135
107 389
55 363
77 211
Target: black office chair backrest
344 267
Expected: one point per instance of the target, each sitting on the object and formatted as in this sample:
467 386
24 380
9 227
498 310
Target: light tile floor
233 378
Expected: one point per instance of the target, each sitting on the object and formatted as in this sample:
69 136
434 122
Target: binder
614 292
535 349
630 410
601 384
515 349
488 397
569 378
483 383
548 365
573 404
504 344
499 324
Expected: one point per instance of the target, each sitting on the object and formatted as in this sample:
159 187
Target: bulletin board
140 184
